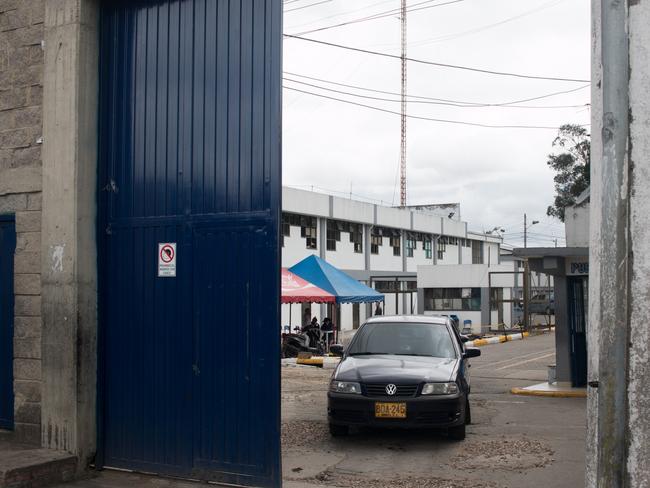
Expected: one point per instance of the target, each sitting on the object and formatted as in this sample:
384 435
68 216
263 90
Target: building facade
380 246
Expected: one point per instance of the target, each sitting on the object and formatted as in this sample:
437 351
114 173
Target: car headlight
440 389
345 387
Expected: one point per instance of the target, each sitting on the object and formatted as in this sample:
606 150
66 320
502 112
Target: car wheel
468 414
339 430
457 433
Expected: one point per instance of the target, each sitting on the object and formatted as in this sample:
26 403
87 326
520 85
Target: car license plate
390 410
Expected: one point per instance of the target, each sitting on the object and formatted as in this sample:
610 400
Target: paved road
514 441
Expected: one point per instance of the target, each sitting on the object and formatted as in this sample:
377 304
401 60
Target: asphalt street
514 441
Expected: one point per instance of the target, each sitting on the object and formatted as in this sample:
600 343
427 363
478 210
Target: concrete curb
326 362
496 340
550 394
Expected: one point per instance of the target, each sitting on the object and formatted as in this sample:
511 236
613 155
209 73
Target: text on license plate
390 410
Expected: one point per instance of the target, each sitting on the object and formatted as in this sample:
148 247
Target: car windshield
407 339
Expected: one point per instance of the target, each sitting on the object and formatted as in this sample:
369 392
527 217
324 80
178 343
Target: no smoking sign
167 260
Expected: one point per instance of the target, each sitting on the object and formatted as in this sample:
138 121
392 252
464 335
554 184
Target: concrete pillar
69 258
638 399
562 331
618 437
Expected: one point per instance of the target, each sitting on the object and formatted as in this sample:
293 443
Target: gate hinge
111 186
593 384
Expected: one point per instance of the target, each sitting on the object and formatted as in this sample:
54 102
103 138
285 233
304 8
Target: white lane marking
490 365
524 362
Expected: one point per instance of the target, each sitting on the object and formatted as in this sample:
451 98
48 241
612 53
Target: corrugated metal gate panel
7 248
190 153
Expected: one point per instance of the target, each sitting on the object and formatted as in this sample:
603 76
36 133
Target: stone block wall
21 128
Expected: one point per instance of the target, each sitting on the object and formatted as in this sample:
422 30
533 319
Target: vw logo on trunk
391 389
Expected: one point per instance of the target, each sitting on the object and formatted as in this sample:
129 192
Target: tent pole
290 317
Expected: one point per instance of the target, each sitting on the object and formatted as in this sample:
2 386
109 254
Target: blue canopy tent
345 288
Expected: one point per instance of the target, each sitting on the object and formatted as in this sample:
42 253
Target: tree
572 167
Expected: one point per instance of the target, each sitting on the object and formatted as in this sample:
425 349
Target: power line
380 15
459 102
433 63
459 122
428 102
306 6
341 14
476 30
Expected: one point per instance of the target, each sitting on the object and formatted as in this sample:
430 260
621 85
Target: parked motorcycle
308 341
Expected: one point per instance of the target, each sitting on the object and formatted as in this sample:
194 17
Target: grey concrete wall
21 94
595 195
68 250
562 332
638 398
618 441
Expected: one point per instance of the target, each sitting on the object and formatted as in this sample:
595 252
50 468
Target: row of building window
450 299
308 230
334 229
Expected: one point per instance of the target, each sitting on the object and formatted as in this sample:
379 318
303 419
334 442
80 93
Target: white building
379 245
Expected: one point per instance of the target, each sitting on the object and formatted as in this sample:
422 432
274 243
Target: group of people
326 326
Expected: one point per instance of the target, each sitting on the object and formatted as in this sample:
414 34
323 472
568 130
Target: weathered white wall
639 235
295 248
419 258
427 223
463 276
454 228
352 210
393 217
450 255
305 202
385 261
344 257
576 225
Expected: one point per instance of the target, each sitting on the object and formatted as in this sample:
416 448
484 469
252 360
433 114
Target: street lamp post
527 275
526 227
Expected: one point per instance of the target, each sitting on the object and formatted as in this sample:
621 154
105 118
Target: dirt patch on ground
512 454
304 433
331 478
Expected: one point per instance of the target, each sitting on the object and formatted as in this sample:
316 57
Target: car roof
407 319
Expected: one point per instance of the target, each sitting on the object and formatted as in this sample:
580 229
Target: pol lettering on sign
167 260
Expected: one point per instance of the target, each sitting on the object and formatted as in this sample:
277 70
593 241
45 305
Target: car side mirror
471 352
337 349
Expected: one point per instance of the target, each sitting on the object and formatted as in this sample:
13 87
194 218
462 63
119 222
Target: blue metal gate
190 155
7 248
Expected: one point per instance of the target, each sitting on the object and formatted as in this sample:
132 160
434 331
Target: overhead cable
441 65
381 15
420 97
430 102
431 119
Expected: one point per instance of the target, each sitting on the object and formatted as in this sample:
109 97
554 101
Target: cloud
496 174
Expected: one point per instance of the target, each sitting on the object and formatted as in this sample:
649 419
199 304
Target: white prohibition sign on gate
167 260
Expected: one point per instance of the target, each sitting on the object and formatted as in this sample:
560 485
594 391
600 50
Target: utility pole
526 230
403 143
525 234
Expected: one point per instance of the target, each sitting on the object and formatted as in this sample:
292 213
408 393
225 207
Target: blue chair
467 326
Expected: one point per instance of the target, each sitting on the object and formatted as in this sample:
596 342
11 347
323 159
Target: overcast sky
496 174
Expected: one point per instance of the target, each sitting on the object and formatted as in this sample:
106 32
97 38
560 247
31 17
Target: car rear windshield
408 339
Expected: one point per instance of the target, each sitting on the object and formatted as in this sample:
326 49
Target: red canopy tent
297 290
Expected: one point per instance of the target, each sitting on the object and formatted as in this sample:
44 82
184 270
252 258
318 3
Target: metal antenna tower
402 180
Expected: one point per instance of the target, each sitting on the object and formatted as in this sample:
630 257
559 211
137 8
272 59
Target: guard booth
189 203
570 268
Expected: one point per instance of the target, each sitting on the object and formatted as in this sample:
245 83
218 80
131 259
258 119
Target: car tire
468 414
457 433
339 430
